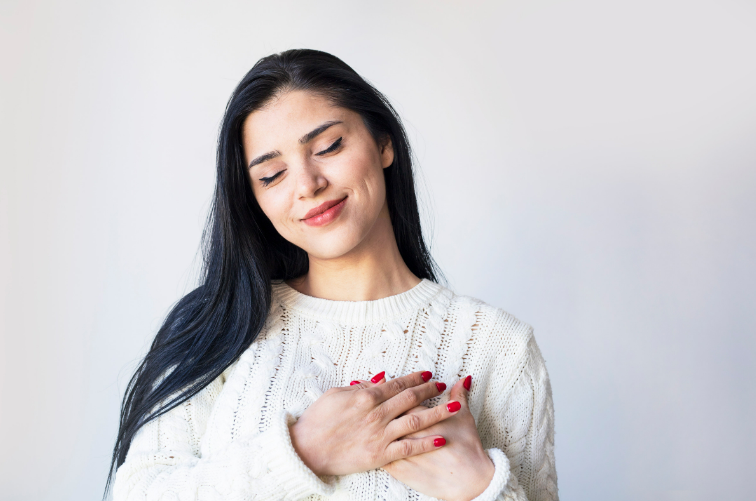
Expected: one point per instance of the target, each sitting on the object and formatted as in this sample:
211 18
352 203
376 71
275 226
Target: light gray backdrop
589 166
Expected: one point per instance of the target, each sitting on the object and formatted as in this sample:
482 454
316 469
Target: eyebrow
264 158
302 140
313 133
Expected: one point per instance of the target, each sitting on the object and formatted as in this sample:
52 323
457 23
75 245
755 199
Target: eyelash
331 148
267 180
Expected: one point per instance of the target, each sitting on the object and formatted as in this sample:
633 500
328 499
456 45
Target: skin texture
458 471
355 258
357 428
461 469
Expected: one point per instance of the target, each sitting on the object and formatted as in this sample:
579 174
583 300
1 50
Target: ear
387 152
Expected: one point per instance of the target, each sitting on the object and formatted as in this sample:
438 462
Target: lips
322 208
324 213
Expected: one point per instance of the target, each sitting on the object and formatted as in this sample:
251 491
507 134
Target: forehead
288 117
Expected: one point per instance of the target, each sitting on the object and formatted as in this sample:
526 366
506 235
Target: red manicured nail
438 442
441 386
453 406
426 376
467 383
354 383
378 377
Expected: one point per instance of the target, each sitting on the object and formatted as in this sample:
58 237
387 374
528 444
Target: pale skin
305 151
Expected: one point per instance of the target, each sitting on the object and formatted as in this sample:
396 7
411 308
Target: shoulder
494 334
493 326
502 355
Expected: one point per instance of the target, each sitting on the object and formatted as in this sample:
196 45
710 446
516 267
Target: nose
310 180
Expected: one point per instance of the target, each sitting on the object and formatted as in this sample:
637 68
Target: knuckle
365 399
405 448
409 397
398 385
414 423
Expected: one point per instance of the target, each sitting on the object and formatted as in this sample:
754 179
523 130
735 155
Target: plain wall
588 166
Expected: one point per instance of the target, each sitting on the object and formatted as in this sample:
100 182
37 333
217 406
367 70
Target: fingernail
354 383
453 406
426 376
438 442
378 377
467 383
441 386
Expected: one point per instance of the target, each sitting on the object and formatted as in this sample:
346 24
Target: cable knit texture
231 441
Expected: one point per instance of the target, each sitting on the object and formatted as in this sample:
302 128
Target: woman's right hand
356 428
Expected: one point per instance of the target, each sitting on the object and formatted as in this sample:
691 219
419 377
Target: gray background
589 166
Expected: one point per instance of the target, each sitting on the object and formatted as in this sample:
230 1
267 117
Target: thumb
461 390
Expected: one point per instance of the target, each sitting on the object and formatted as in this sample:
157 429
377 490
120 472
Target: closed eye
267 180
331 148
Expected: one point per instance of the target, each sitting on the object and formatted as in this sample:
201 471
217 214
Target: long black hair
209 328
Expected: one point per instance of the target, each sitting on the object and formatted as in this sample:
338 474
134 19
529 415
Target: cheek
275 208
365 175
375 187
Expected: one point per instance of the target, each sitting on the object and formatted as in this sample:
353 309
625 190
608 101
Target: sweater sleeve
165 463
517 424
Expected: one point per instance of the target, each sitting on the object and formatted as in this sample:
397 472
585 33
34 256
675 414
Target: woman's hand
354 429
461 470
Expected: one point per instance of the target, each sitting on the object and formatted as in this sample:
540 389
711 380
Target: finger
409 398
359 384
414 422
381 376
460 390
415 409
408 447
392 388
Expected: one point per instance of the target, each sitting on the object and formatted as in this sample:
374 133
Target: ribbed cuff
500 478
296 480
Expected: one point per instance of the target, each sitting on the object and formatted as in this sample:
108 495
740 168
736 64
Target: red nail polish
453 406
354 383
441 386
426 376
467 383
378 377
438 442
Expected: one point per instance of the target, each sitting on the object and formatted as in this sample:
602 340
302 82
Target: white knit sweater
231 441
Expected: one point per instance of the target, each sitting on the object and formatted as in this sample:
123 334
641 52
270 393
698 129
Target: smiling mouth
324 213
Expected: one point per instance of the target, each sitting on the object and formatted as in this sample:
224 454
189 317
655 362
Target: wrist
484 473
303 450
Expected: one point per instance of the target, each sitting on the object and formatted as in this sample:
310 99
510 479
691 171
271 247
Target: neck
374 269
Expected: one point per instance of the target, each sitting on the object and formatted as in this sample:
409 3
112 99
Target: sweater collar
357 312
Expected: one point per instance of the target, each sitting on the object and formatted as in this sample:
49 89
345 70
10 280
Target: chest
297 358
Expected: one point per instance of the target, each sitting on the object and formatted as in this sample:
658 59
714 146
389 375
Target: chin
332 247
328 251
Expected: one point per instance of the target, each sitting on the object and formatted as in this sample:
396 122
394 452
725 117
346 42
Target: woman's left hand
460 470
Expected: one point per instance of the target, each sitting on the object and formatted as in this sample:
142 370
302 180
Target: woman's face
316 172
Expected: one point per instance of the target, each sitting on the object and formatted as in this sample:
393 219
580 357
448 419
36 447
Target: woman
299 368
